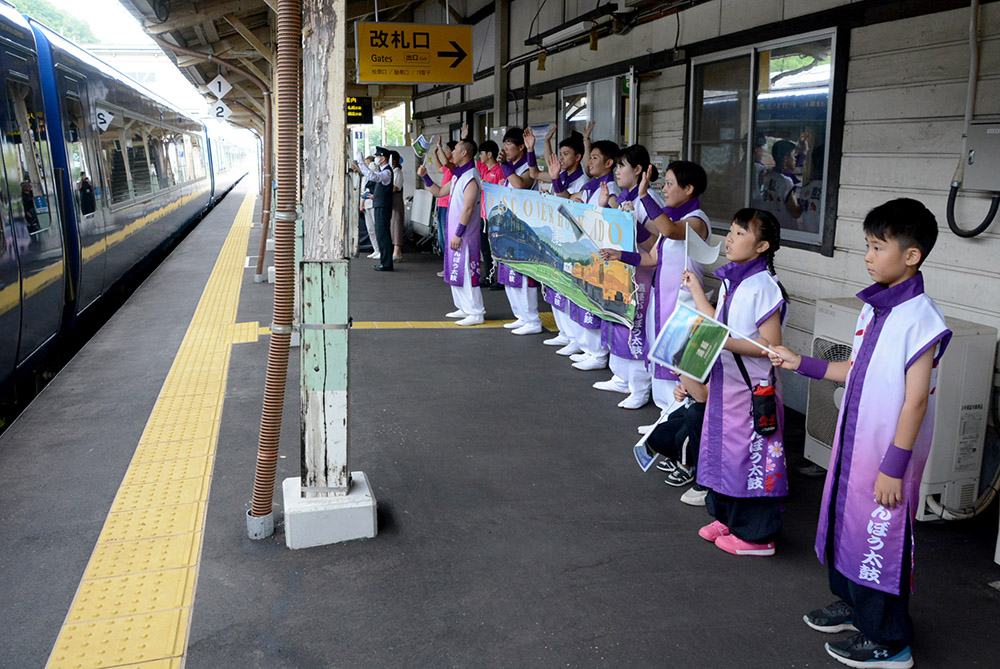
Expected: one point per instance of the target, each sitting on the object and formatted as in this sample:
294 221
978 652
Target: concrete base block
270 274
258 278
295 339
318 521
270 245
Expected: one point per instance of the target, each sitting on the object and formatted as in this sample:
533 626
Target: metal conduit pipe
265 216
289 44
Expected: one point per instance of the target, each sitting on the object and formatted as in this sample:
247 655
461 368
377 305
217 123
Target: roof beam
458 18
193 16
362 8
248 35
253 69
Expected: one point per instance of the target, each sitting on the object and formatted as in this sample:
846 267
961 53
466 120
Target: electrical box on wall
982 168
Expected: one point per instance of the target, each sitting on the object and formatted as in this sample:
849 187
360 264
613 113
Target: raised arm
435 190
690 281
640 258
530 142
586 146
811 367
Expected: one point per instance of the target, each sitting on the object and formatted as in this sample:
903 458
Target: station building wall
903 115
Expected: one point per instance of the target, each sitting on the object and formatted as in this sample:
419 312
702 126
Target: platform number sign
104 118
221 110
219 86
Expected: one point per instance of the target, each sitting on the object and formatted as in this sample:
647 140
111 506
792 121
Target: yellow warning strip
133 606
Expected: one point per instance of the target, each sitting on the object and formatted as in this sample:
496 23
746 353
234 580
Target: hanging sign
104 118
219 86
359 111
221 110
407 53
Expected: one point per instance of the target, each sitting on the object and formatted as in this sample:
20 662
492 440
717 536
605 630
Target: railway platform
515 529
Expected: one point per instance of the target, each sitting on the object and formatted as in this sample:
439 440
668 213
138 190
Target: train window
113 127
26 140
81 164
138 164
760 127
197 159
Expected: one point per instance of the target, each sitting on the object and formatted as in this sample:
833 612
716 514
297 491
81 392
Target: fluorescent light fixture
578 26
565 34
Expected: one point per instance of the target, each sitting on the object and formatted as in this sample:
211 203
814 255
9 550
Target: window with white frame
760 125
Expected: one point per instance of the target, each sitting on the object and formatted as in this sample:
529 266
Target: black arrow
458 54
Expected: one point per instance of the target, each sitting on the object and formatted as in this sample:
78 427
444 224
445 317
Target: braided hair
765 228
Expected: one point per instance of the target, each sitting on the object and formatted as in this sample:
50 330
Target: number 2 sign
221 110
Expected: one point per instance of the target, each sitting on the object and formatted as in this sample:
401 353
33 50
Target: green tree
64 23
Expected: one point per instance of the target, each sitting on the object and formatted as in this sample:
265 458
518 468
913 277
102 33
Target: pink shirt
443 201
490 175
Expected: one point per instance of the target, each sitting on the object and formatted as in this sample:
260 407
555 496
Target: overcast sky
108 19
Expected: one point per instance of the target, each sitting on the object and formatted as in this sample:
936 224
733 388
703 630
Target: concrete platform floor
515 528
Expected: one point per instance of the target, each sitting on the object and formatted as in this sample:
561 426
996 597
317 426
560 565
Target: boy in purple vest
882 441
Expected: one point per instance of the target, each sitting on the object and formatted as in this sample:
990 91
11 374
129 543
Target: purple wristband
462 227
507 169
557 184
631 258
652 207
814 368
894 461
532 159
428 181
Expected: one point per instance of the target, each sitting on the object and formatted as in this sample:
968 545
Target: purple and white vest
734 460
506 275
454 268
896 326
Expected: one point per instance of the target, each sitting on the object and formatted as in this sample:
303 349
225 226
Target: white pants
468 298
370 224
590 341
663 395
563 322
524 302
632 371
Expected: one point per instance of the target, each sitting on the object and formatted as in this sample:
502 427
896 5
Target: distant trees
64 23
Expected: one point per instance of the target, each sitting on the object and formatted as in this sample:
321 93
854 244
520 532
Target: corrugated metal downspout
288 57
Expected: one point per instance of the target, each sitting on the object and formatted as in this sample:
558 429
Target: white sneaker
374 254
635 401
528 329
558 340
615 384
590 364
441 274
643 429
695 497
458 313
569 349
513 325
579 357
475 319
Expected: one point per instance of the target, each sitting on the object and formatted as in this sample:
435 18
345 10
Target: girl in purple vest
743 469
883 438
670 217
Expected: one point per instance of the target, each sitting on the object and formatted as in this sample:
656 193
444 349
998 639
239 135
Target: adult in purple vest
461 258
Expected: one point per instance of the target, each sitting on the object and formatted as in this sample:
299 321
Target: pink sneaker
733 544
713 531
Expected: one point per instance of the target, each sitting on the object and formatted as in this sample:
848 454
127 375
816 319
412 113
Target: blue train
96 173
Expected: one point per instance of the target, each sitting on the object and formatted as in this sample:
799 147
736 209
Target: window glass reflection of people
28 202
88 203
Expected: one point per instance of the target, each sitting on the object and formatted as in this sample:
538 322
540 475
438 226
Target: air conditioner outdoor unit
963 390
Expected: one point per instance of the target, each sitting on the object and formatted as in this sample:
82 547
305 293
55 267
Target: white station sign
221 110
104 118
219 86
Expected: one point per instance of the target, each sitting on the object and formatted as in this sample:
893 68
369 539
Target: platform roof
244 33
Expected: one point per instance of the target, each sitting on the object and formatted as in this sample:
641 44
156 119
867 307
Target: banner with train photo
555 241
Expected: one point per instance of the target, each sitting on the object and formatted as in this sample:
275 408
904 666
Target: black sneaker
860 651
837 617
666 465
681 476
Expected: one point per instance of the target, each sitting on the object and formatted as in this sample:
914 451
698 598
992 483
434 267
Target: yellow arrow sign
406 53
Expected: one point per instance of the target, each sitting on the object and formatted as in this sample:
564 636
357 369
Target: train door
10 279
81 163
31 193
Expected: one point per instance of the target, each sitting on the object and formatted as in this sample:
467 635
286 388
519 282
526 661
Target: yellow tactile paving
133 605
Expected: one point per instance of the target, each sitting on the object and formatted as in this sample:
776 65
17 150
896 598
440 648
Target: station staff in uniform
381 177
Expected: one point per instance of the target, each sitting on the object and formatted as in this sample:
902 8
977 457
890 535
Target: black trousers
383 215
881 617
753 519
484 243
